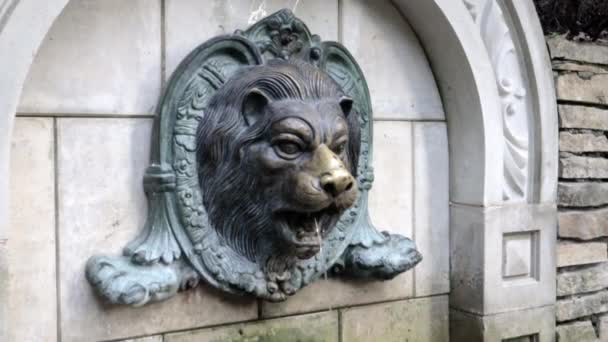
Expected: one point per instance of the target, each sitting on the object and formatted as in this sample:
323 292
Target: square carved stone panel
520 256
515 255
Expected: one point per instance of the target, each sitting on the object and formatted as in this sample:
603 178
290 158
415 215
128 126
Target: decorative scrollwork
515 102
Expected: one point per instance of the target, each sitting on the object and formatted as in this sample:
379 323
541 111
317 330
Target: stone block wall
81 145
581 75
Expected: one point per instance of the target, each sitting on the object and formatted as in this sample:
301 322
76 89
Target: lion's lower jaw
299 243
302 233
282 262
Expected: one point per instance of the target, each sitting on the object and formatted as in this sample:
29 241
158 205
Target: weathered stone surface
101 205
377 35
583 87
583 167
431 208
582 280
582 142
560 47
583 117
321 327
190 23
530 325
583 225
157 338
422 319
581 306
528 338
576 332
390 199
560 65
585 194
337 293
602 327
32 304
467 258
570 253
100 57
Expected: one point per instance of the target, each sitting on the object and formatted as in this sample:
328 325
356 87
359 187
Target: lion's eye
340 148
288 149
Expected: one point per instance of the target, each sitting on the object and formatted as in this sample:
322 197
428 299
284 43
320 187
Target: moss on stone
278 335
321 327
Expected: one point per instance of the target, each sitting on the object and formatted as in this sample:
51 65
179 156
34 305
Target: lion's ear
253 106
346 103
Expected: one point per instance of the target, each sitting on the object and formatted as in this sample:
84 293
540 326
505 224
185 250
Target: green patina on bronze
260 173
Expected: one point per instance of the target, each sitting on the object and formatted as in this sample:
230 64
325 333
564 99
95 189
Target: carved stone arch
466 78
503 175
468 94
472 99
23 26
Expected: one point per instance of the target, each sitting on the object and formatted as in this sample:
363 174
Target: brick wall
581 75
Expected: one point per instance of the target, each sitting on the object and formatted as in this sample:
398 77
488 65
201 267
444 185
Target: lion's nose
337 182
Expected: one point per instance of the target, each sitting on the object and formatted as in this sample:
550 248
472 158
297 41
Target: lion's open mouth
306 230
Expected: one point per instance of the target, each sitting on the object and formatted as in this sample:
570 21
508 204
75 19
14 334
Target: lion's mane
232 196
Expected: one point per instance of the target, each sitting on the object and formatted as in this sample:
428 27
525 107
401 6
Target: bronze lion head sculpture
277 155
260 174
